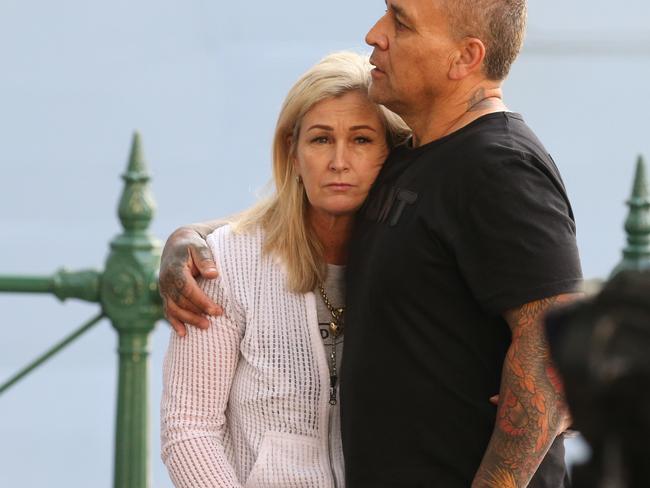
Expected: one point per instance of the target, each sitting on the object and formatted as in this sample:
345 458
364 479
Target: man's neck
452 112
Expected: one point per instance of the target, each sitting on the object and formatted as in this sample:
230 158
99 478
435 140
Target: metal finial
636 255
137 205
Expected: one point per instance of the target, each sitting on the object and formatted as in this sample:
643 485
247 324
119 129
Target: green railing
127 291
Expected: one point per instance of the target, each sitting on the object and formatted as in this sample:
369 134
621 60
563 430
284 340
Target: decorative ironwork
636 255
128 293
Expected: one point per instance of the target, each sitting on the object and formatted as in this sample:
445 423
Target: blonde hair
283 214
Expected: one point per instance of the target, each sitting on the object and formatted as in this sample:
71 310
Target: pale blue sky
203 82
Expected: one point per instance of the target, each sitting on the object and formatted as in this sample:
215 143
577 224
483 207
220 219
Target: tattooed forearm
532 411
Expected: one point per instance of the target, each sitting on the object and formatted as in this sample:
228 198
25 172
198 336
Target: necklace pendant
335 329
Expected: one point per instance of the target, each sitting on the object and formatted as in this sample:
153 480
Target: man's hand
531 411
185 257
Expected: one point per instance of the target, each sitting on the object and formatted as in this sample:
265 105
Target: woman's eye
362 140
320 140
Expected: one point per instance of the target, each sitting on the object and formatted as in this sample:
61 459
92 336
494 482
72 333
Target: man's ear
468 59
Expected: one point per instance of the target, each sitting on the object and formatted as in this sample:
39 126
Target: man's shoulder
494 136
502 145
495 151
500 134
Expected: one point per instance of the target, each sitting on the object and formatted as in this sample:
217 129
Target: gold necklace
336 329
337 322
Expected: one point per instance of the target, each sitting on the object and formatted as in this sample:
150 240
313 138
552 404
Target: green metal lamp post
129 297
636 255
128 293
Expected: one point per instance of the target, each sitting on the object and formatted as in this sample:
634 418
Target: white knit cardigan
246 402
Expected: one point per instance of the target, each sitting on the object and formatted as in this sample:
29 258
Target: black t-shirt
453 234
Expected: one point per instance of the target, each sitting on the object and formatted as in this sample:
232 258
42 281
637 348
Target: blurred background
203 82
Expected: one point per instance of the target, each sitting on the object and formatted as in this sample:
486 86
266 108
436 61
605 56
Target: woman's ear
468 59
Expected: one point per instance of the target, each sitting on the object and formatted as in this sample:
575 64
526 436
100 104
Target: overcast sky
203 82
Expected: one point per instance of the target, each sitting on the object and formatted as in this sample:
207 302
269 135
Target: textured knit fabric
245 402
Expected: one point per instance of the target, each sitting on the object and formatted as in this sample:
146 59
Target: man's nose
376 36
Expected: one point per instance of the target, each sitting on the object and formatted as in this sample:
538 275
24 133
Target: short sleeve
517 238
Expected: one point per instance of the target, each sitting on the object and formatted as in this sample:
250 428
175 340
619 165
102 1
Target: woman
252 400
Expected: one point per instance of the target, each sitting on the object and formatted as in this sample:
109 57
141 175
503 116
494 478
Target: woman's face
340 149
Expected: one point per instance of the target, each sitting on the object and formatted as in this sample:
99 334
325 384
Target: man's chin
377 93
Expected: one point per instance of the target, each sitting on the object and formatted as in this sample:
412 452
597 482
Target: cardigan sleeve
197 377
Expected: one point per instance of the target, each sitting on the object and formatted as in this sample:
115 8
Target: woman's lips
339 186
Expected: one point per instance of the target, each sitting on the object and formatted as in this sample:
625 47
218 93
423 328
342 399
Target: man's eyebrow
398 11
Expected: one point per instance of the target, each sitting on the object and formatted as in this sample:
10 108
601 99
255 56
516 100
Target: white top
246 402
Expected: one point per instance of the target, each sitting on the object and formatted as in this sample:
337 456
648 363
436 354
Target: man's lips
377 73
377 68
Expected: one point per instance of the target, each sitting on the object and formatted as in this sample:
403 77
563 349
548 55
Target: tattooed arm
185 257
532 410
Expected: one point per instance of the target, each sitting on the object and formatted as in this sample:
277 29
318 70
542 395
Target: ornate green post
129 294
63 284
636 255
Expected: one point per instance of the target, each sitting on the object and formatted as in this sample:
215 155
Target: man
466 239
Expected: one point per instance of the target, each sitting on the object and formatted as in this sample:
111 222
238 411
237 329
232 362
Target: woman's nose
340 158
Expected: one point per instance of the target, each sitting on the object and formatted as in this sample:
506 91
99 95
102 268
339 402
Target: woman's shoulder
242 263
231 239
236 250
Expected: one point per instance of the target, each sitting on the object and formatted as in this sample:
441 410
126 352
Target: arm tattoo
531 409
172 284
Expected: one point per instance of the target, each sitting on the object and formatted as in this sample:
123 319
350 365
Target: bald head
500 24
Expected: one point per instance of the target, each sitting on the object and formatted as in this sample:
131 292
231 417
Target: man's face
413 49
